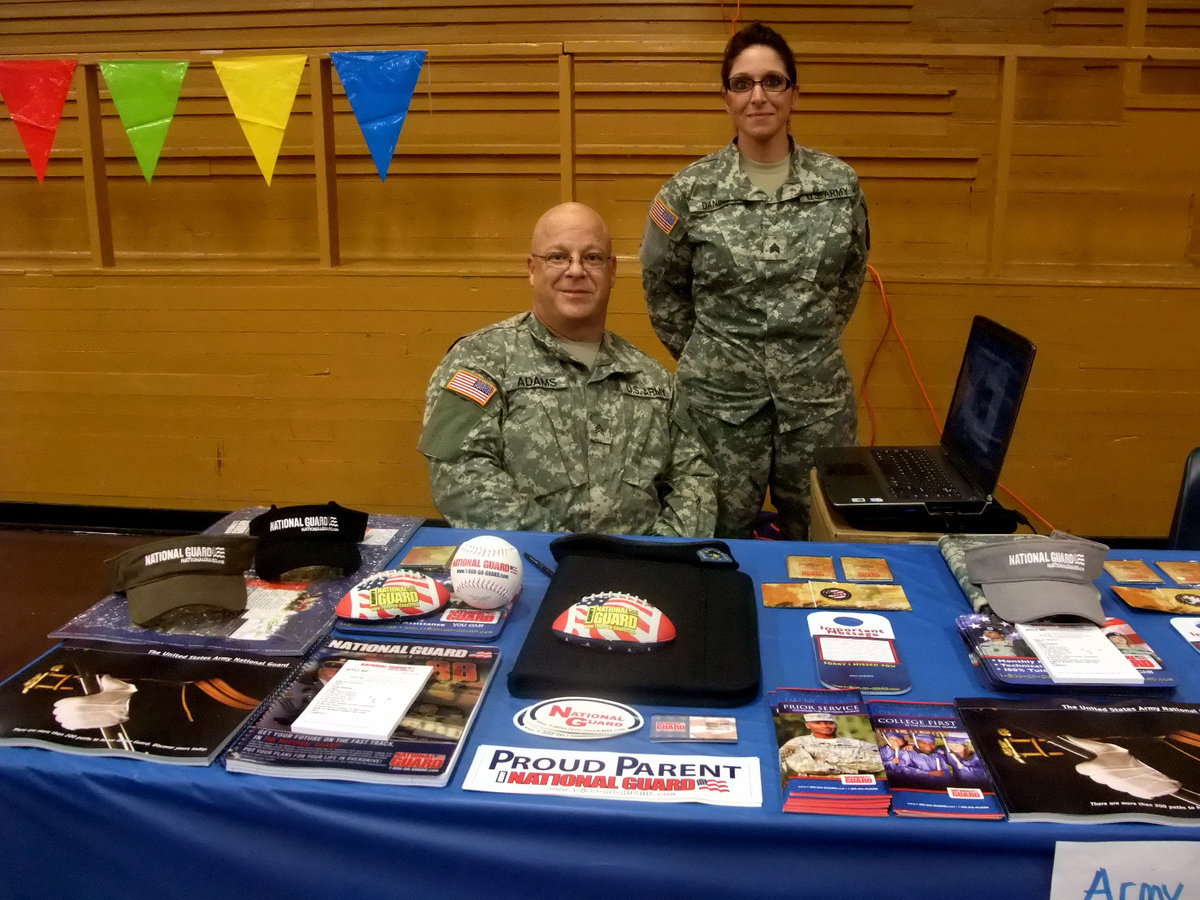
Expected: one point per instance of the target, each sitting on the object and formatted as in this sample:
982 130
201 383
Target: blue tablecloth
93 827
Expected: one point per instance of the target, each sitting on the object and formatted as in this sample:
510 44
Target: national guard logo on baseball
663 216
472 387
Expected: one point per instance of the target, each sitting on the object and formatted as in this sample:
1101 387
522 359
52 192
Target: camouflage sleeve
850 282
795 759
869 759
688 489
667 271
463 441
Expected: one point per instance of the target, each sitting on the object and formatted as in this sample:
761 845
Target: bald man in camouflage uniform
549 422
751 293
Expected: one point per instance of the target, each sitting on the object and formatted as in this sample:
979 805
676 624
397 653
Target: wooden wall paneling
320 73
1003 163
247 383
95 178
1135 36
566 126
141 25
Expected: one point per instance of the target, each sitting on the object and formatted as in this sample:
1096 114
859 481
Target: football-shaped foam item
393 594
486 572
614 621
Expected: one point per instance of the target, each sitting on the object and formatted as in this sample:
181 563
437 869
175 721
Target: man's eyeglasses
594 260
744 84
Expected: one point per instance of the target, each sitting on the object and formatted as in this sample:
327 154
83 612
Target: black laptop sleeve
713 660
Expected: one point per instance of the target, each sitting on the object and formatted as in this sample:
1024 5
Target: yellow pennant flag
262 91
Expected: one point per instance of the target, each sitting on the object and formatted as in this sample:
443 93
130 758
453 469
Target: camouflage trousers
754 456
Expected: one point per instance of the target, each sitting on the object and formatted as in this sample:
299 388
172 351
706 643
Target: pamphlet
932 767
283 619
828 755
363 699
1182 571
1055 760
1179 600
148 703
423 748
835 595
819 568
1189 629
1078 654
1131 570
861 568
1006 662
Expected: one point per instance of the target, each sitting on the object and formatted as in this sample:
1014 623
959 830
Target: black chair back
1185 526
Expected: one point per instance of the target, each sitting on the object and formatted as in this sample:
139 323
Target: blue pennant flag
379 86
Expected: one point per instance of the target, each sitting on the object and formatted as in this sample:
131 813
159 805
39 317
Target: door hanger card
857 650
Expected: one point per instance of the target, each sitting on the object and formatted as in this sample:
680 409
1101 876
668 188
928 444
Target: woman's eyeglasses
744 84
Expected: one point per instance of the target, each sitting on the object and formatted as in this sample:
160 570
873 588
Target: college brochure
932 768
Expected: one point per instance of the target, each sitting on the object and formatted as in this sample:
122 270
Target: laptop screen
987 398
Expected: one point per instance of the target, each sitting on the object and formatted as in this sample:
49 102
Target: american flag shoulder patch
472 387
663 216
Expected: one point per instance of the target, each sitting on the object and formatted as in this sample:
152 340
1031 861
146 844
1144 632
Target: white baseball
486 572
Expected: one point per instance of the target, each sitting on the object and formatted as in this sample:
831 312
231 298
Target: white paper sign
1126 870
364 699
649 777
1079 654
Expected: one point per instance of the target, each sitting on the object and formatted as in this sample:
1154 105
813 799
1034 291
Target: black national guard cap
294 537
195 569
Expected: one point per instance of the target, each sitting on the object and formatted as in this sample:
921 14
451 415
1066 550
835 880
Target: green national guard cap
199 569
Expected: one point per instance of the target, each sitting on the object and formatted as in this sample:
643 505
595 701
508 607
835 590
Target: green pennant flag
145 92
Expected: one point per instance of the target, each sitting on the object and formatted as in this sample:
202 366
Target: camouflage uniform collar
612 358
801 178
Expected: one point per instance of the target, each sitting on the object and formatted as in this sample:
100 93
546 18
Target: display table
92 827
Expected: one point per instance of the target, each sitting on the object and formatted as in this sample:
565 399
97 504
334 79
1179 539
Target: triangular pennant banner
379 86
35 91
262 91
145 92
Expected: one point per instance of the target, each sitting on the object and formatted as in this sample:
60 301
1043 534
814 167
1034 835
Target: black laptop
890 485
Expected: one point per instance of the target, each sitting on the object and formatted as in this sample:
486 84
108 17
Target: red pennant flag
35 91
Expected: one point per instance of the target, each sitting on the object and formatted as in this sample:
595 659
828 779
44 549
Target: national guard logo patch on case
472 387
663 216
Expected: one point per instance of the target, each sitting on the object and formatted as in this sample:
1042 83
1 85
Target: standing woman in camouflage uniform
752 262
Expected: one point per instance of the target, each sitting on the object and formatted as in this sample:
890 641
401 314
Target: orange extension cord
865 396
734 19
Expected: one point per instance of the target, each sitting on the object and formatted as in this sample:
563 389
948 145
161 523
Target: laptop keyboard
911 472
